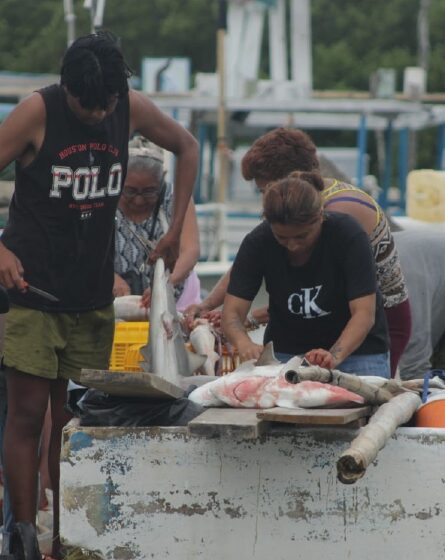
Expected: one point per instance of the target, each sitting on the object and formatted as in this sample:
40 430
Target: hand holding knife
39 292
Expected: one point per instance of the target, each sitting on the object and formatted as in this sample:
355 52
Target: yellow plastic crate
133 357
127 334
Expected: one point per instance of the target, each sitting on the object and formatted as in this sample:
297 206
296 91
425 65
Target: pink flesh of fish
266 392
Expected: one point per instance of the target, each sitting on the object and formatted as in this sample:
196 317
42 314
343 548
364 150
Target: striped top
390 277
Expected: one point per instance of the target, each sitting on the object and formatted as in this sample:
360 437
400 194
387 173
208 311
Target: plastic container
426 195
127 334
432 413
229 362
133 357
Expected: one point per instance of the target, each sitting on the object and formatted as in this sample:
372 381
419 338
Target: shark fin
145 366
245 367
267 357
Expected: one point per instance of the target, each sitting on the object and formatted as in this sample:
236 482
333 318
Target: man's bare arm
21 135
164 131
22 132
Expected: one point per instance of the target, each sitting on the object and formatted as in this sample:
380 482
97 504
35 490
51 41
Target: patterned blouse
389 272
130 259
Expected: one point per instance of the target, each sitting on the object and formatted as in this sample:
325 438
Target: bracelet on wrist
252 322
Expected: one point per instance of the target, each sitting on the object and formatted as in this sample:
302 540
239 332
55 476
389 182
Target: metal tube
221 125
403 164
361 144
70 19
383 200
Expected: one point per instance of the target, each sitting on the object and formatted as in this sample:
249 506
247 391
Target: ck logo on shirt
304 303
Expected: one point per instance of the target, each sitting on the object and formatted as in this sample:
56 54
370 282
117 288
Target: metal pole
70 19
403 165
440 147
221 124
99 14
89 5
202 138
96 8
383 201
423 34
361 142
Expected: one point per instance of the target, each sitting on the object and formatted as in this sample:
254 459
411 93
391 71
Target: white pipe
70 19
99 15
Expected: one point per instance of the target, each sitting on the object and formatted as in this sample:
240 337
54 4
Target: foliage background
351 39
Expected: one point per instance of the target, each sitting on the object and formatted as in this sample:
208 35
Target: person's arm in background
257 317
364 215
216 298
120 287
188 254
207 308
189 247
164 131
362 320
233 320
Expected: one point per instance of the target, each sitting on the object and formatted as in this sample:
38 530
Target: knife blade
40 292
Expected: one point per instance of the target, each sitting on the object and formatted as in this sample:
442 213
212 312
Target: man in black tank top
70 145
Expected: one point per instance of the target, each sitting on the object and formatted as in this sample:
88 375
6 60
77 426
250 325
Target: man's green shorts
58 345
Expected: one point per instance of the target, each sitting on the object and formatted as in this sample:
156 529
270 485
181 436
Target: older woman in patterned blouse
143 215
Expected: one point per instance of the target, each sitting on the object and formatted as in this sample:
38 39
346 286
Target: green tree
350 40
165 28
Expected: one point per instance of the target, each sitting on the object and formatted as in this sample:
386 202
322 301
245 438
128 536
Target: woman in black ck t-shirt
320 276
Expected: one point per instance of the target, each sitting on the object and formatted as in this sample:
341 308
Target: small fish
128 308
203 342
262 384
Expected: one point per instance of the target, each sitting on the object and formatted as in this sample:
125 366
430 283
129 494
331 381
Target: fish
128 308
165 353
203 342
263 384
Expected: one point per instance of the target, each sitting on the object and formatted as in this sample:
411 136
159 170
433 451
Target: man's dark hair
94 68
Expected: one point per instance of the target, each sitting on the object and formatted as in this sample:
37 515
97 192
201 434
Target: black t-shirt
309 304
61 217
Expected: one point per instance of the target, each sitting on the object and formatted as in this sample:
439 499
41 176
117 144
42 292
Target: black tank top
62 214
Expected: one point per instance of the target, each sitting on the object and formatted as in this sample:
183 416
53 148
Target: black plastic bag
100 409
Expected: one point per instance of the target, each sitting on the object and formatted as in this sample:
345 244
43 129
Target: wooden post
222 126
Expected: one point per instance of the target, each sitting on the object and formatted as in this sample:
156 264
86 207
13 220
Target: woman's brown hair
277 153
296 199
